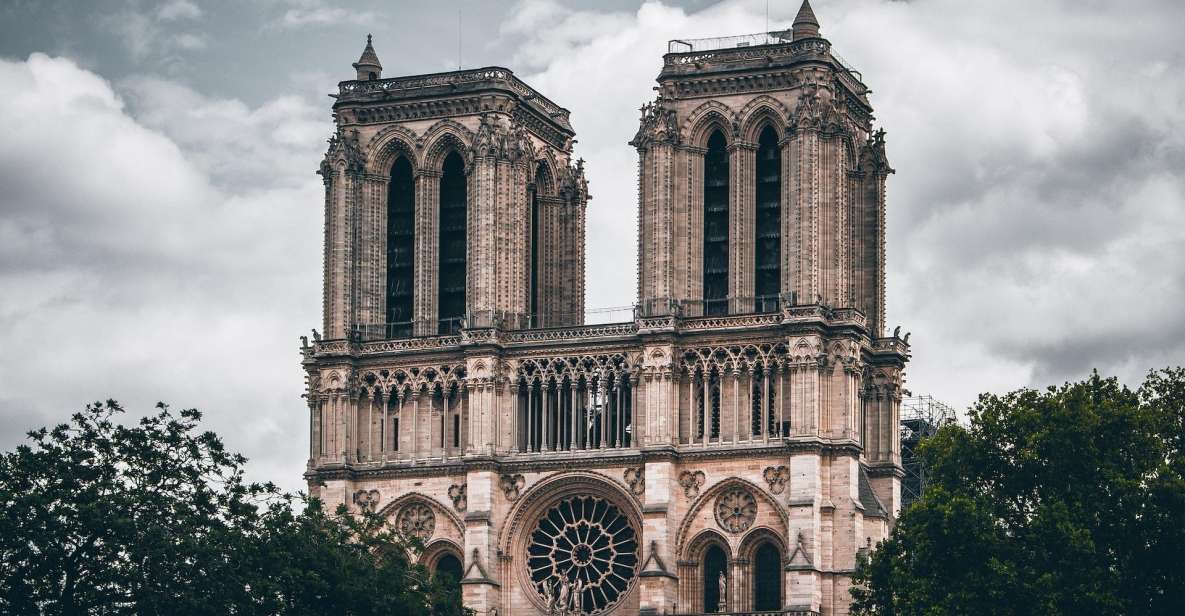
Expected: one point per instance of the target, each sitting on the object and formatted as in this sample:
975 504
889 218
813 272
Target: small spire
805 24
368 65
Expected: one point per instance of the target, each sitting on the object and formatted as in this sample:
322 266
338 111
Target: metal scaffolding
921 417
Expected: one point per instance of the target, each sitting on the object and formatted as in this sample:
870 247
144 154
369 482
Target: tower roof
806 25
369 58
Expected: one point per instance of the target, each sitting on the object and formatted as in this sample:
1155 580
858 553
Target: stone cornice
490 79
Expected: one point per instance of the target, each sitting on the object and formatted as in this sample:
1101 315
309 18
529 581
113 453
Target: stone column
427 255
657 580
480 587
742 212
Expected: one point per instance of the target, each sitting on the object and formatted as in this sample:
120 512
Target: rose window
416 520
735 510
583 552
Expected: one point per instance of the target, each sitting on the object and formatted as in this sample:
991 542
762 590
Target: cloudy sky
160 219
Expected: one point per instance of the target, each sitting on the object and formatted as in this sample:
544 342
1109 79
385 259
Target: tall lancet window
453 242
716 225
768 244
401 241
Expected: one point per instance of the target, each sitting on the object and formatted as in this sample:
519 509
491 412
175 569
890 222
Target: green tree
157 518
1066 501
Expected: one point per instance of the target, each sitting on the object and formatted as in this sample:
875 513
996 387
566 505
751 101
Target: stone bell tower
450 200
762 180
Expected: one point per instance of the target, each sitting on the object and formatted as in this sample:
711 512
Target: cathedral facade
732 449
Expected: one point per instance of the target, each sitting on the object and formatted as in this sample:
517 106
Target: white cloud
314 13
139 264
178 9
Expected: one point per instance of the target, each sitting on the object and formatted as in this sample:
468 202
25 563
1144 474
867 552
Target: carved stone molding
691 482
458 494
512 486
777 477
735 510
635 478
366 499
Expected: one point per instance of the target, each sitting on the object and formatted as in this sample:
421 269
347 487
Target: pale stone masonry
739 435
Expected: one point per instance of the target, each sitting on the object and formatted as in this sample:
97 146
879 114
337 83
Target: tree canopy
97 517
1065 501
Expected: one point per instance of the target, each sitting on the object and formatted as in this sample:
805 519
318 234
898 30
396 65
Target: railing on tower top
779 37
728 42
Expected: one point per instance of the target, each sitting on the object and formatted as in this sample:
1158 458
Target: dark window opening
715 275
449 572
767 578
768 243
395 433
453 243
715 564
401 240
456 430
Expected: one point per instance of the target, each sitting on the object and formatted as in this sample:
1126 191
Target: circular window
736 510
416 520
582 555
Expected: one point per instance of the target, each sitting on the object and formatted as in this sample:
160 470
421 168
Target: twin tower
759 187
732 449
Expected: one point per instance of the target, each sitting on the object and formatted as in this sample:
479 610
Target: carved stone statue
722 603
563 596
548 590
578 598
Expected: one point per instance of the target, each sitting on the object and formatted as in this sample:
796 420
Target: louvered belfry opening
716 226
401 241
768 244
451 285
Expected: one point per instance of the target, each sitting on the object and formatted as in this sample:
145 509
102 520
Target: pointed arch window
453 242
401 241
536 282
767 578
768 244
715 248
715 566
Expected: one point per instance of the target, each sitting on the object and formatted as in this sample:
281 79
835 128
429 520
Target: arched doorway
715 563
767 577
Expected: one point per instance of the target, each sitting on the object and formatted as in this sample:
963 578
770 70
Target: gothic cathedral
732 449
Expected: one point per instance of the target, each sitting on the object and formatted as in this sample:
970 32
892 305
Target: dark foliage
1066 501
156 518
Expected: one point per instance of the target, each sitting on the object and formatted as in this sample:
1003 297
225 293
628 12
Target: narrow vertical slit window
768 243
401 240
716 226
453 242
